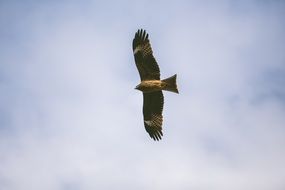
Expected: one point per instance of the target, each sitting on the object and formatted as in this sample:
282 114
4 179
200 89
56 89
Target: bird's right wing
145 62
152 112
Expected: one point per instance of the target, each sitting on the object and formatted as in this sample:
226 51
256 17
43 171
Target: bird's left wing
145 62
152 112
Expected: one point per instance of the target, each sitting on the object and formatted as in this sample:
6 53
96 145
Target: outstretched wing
145 62
152 112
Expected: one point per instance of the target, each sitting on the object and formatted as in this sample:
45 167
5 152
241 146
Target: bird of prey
151 85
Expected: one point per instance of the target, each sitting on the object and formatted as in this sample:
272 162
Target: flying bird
151 85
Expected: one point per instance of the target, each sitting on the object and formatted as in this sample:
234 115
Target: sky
70 118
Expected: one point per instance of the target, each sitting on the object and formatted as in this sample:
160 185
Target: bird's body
151 85
168 84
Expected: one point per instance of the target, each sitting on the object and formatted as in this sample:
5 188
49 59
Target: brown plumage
151 85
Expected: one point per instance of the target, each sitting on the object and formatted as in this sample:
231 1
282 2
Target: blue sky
71 119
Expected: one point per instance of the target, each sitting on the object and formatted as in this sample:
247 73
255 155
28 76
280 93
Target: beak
136 88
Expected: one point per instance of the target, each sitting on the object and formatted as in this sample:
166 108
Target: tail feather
171 84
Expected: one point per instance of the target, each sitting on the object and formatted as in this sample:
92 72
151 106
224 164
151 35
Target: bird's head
138 87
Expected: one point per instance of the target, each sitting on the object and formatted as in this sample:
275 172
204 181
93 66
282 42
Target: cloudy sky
70 118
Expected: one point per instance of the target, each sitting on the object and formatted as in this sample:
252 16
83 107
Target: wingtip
142 34
156 136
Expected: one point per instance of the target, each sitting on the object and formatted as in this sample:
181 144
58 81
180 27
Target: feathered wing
145 62
152 112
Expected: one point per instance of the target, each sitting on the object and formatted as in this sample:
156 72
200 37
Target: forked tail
171 84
